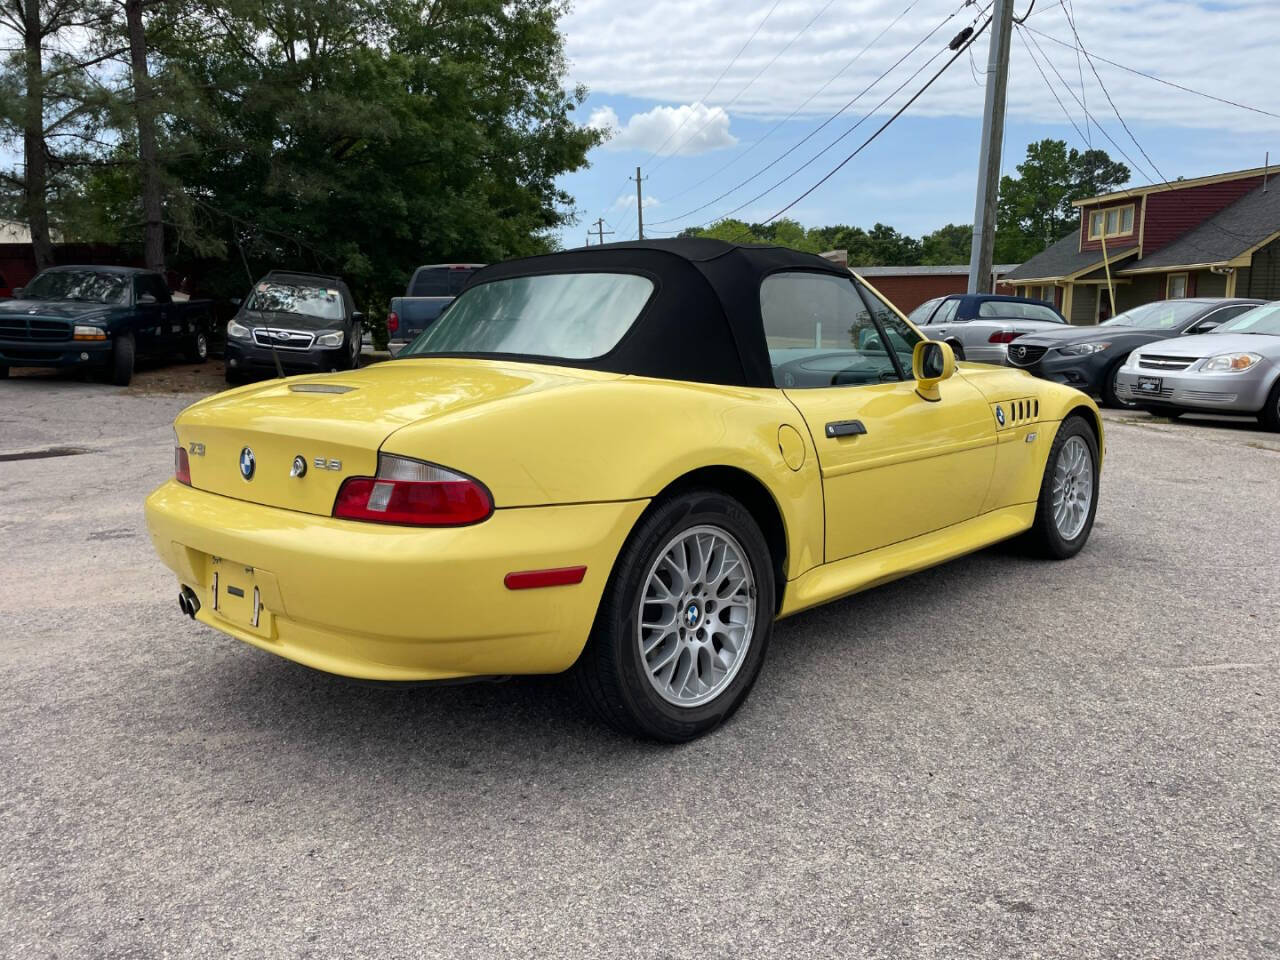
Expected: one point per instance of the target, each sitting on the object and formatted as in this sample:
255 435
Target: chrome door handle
845 428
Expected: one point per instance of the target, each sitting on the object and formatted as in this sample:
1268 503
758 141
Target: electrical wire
711 89
884 126
1152 76
813 96
809 136
725 109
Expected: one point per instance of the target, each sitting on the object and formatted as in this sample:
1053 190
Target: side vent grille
1015 413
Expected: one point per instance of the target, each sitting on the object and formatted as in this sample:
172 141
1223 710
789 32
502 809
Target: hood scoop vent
320 388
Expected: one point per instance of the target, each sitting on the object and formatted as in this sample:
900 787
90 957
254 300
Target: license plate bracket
1150 384
237 596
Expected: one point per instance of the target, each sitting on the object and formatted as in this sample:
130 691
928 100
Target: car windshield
569 316
1161 315
1263 320
302 299
84 285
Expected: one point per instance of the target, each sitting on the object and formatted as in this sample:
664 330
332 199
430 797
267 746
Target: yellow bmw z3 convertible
628 460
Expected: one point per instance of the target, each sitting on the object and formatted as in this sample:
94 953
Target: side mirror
931 363
1204 327
235 301
146 298
360 320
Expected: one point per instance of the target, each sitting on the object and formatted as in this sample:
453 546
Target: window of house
1112 222
1177 286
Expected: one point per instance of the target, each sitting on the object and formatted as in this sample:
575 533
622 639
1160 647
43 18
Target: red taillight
414 493
181 466
393 322
1006 337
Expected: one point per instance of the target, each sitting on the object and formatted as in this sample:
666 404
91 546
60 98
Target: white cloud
684 131
627 201
636 51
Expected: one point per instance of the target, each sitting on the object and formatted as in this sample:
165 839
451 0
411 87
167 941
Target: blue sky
648 84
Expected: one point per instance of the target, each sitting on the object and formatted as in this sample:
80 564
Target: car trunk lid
244 443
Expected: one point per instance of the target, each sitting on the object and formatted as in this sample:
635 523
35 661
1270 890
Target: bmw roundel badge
999 420
247 463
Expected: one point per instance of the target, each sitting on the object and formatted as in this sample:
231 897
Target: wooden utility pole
600 230
984 213
639 204
35 181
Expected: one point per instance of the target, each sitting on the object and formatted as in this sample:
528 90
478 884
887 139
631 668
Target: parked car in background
294 322
1235 369
1090 358
980 326
100 317
431 289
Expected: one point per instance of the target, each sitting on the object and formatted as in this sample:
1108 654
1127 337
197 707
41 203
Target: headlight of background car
1085 349
84 332
1230 362
237 330
330 339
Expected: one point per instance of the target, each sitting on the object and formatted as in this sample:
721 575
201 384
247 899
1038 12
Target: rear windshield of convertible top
569 316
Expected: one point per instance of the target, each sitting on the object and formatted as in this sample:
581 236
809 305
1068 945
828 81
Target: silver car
1235 369
980 326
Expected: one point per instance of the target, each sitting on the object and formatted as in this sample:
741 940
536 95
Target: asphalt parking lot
997 758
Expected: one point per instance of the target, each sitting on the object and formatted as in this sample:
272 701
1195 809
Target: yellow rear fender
632 439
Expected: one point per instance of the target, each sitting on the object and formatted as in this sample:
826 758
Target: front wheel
686 617
197 348
1270 415
1110 398
1068 493
957 348
122 355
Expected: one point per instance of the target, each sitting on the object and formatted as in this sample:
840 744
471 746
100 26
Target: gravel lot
998 758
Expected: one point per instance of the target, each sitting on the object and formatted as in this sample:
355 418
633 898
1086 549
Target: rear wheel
1110 398
197 348
682 628
1068 493
957 348
1270 415
122 355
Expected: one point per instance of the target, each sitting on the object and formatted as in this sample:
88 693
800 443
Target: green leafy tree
1034 209
947 245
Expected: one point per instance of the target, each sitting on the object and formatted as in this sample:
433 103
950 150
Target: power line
1070 13
814 132
738 95
813 96
1152 76
884 126
711 89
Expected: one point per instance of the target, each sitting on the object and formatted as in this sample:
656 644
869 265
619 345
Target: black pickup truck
101 317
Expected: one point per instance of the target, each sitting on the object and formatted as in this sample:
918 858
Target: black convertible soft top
703 321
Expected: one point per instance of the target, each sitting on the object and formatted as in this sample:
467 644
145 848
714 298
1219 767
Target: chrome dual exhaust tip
188 602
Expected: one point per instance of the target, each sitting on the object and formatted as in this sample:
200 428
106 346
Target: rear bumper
394 603
1230 392
996 353
61 353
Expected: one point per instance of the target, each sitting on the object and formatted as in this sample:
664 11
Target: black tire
610 674
122 355
354 353
4 373
234 378
1109 396
1170 413
197 347
1044 539
957 349
1270 415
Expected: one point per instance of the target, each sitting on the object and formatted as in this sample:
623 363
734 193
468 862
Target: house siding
1145 288
1172 213
1114 244
1084 304
1210 284
1263 278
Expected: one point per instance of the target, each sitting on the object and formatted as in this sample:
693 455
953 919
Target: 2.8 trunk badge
299 466
247 463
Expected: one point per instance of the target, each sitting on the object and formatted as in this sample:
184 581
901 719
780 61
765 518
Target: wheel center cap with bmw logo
692 615
247 463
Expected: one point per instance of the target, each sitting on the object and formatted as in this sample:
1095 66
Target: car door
893 465
151 329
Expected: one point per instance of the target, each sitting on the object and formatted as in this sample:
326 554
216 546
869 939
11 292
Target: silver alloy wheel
1072 488
697 616
202 346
